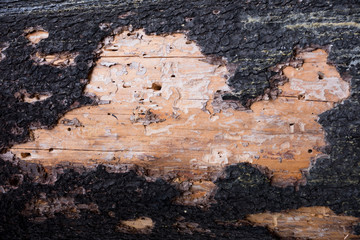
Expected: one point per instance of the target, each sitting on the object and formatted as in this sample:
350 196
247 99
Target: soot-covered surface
117 196
253 36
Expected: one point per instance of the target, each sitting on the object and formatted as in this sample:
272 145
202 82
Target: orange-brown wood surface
156 95
307 223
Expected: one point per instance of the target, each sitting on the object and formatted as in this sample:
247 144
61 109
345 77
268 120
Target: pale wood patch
142 225
35 36
160 116
307 223
36 97
60 59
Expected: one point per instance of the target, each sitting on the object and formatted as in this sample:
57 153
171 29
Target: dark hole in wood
156 86
25 154
321 75
301 97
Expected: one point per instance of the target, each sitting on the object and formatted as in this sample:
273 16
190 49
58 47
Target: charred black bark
117 196
253 35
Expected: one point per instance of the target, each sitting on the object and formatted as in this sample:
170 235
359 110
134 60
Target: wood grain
157 112
307 223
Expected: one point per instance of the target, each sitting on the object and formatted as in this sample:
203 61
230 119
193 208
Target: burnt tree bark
177 119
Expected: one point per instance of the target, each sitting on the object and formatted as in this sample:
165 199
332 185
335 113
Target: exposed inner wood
42 208
159 115
36 98
36 35
24 96
61 59
307 223
140 225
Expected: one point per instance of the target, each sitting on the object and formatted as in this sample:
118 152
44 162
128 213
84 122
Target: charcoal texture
252 35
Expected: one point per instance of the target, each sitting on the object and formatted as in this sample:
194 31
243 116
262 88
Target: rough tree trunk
178 119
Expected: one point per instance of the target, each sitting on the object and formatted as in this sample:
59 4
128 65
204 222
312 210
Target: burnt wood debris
44 76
